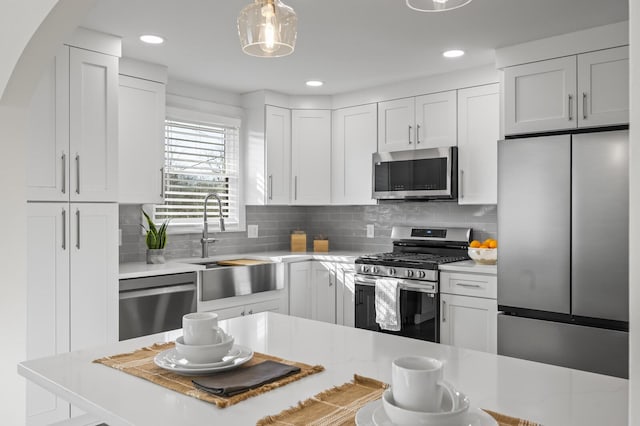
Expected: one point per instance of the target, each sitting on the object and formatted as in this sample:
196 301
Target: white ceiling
349 44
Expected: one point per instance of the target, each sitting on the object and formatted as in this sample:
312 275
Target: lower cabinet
345 294
312 290
273 305
469 321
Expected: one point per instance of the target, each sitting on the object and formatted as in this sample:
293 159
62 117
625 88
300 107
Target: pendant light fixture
267 28
436 5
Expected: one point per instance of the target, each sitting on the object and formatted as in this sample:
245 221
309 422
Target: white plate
244 355
173 357
373 414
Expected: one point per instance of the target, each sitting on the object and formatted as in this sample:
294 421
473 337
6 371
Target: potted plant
156 240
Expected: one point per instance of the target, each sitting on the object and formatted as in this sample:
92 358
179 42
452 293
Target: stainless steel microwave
416 174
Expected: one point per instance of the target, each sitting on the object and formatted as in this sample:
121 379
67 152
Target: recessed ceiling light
151 39
314 83
453 53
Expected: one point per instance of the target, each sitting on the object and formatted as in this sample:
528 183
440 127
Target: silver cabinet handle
64 173
251 312
570 107
469 285
584 105
295 188
78 229
77 173
162 182
444 310
461 183
64 229
410 127
417 134
270 187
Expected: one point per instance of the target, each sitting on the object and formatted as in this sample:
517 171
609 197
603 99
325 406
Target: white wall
634 215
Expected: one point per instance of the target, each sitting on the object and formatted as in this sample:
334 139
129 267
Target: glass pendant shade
267 28
436 5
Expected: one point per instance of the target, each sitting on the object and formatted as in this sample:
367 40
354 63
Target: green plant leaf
152 241
152 226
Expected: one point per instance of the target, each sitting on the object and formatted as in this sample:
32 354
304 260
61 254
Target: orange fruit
487 242
484 246
474 244
493 244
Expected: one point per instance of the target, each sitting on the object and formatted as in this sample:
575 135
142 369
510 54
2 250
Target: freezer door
534 223
600 217
567 345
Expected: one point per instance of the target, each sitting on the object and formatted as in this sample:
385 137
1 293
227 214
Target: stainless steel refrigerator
563 214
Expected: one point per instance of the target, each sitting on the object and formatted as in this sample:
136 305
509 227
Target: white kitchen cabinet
478 134
603 87
427 121
278 151
249 309
311 157
585 90
48 249
345 294
436 120
93 125
73 145
352 146
72 287
468 310
312 290
141 116
300 290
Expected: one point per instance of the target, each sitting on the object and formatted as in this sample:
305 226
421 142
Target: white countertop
554 396
469 266
141 269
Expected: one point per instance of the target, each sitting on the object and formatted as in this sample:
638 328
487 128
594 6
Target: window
200 158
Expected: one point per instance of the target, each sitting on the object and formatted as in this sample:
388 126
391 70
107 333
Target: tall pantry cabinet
72 214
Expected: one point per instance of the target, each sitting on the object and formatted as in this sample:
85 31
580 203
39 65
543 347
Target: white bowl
202 354
484 256
446 417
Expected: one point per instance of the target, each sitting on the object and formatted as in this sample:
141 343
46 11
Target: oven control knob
391 272
365 268
421 274
374 270
408 273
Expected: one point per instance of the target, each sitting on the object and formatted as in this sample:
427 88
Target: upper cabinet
590 89
478 134
141 141
278 153
73 145
427 121
352 147
311 157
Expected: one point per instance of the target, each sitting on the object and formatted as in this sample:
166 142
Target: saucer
373 414
166 360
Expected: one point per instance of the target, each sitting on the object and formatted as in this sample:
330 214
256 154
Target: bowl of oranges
484 252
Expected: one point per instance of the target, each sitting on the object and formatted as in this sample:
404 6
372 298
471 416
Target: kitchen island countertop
553 396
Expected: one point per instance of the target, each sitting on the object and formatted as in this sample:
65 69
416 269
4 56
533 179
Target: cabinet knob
251 312
242 313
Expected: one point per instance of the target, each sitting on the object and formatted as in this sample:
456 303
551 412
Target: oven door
419 309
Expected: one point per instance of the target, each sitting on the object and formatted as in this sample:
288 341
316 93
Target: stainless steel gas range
413 263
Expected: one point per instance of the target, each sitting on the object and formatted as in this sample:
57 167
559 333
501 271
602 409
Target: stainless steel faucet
205 240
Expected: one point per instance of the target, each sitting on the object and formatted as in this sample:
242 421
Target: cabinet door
436 120
603 87
345 294
311 156
323 292
478 134
278 150
396 122
48 140
93 125
469 322
352 147
94 274
541 96
141 115
300 304
48 300
266 306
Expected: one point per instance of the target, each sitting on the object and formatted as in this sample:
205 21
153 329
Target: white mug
200 328
417 384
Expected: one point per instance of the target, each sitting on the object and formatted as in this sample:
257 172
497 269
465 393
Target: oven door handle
157 291
409 285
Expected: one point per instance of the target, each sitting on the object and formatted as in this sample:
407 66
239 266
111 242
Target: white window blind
199 159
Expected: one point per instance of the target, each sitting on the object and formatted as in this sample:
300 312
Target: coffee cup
200 328
417 384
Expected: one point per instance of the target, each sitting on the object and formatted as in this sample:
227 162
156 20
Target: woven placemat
140 364
338 406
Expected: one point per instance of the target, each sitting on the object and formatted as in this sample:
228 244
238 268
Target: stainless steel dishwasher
151 305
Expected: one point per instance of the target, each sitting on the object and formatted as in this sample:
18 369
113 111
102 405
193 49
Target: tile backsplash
345 226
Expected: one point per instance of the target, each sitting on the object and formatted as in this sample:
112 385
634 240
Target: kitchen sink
222 281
